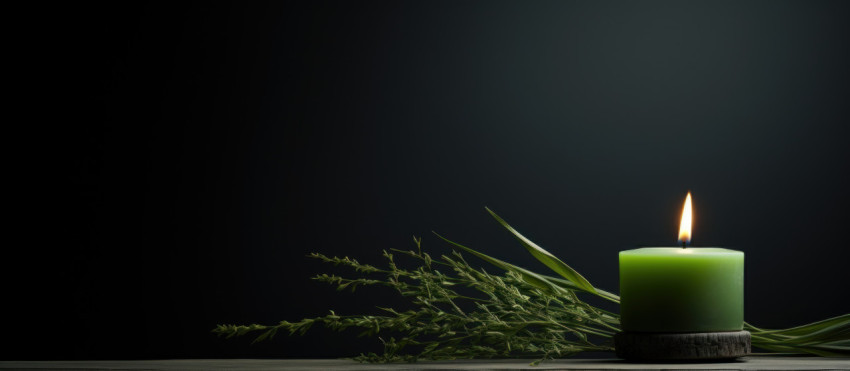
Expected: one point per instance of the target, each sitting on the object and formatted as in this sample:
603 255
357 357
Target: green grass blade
547 258
828 330
530 277
835 323
570 285
828 338
819 351
833 333
845 343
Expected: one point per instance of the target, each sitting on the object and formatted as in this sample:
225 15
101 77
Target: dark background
198 152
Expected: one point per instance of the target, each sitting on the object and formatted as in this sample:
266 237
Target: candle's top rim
667 251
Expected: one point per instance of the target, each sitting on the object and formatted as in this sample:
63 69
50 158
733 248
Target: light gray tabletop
747 363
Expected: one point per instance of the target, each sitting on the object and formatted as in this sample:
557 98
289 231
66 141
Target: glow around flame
687 221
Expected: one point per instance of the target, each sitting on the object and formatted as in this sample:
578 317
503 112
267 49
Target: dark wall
203 150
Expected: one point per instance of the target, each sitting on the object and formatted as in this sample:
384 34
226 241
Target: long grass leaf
840 322
530 277
811 350
569 284
547 258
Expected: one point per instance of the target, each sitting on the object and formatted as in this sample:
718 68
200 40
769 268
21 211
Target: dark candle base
643 346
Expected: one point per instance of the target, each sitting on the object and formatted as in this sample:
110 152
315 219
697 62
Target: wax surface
670 289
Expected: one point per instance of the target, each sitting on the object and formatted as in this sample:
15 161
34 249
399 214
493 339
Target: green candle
672 289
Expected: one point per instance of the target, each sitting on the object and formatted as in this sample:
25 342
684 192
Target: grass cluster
463 312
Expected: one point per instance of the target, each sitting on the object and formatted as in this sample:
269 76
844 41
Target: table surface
746 363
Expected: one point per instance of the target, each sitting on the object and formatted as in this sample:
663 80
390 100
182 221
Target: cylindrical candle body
669 289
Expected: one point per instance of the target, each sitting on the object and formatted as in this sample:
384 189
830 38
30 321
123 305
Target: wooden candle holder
645 346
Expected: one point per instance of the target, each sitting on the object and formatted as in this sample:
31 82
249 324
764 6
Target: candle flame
687 221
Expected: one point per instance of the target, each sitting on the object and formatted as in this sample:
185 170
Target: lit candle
682 289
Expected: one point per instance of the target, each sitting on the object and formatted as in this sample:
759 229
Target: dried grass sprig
519 313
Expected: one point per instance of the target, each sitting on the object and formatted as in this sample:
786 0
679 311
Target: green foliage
501 316
827 338
470 313
547 258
